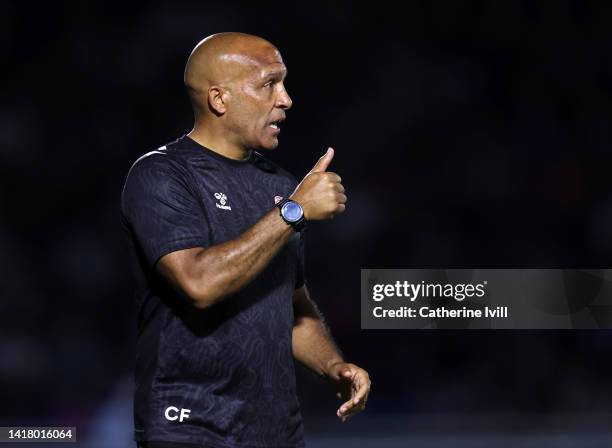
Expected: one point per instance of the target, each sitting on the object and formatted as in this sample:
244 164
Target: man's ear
217 96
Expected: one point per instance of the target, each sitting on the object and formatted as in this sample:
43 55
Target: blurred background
468 135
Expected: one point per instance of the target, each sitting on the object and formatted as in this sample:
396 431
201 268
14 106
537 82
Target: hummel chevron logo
222 198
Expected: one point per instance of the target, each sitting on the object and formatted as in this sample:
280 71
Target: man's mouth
276 124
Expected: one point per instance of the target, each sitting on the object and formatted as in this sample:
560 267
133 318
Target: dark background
468 135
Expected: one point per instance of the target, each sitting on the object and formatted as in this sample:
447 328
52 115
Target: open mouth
276 124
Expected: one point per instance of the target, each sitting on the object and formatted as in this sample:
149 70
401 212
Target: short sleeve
161 209
300 279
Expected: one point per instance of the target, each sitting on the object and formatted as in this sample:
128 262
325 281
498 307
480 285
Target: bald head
222 59
236 85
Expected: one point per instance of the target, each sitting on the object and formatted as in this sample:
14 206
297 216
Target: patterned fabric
223 376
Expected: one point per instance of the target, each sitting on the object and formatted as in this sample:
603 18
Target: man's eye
268 84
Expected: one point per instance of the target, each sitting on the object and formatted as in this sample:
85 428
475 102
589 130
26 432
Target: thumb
324 161
346 373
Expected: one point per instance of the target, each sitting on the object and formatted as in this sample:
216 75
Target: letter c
167 413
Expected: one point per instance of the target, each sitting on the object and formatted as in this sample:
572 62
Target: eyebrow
275 74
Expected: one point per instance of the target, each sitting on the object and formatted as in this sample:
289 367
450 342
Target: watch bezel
298 225
284 212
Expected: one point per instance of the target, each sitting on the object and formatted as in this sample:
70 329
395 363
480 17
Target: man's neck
218 145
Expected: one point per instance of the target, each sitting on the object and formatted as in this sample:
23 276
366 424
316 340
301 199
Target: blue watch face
292 211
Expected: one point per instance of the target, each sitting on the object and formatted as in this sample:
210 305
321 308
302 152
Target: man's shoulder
156 157
155 171
164 158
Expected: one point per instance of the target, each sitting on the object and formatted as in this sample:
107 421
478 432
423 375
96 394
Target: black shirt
223 376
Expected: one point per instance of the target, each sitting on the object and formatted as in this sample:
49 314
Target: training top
222 376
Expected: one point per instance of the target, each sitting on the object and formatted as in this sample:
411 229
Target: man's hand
320 193
352 384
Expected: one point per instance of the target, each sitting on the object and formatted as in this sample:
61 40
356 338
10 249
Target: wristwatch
292 213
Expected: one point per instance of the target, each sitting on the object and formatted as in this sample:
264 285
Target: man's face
259 101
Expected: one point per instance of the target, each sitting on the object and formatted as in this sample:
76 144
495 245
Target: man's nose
284 100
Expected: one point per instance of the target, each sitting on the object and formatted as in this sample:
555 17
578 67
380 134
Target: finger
356 410
344 409
348 409
340 188
347 406
324 161
340 208
334 177
361 387
346 374
361 396
357 404
341 198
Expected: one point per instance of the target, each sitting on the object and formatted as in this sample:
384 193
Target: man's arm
207 275
314 348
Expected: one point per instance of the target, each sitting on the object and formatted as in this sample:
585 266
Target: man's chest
233 202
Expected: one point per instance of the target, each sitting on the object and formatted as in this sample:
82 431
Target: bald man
216 233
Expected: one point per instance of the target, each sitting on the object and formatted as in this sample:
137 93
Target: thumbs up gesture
320 193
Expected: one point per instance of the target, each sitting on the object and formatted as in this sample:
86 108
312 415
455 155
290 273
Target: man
216 230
